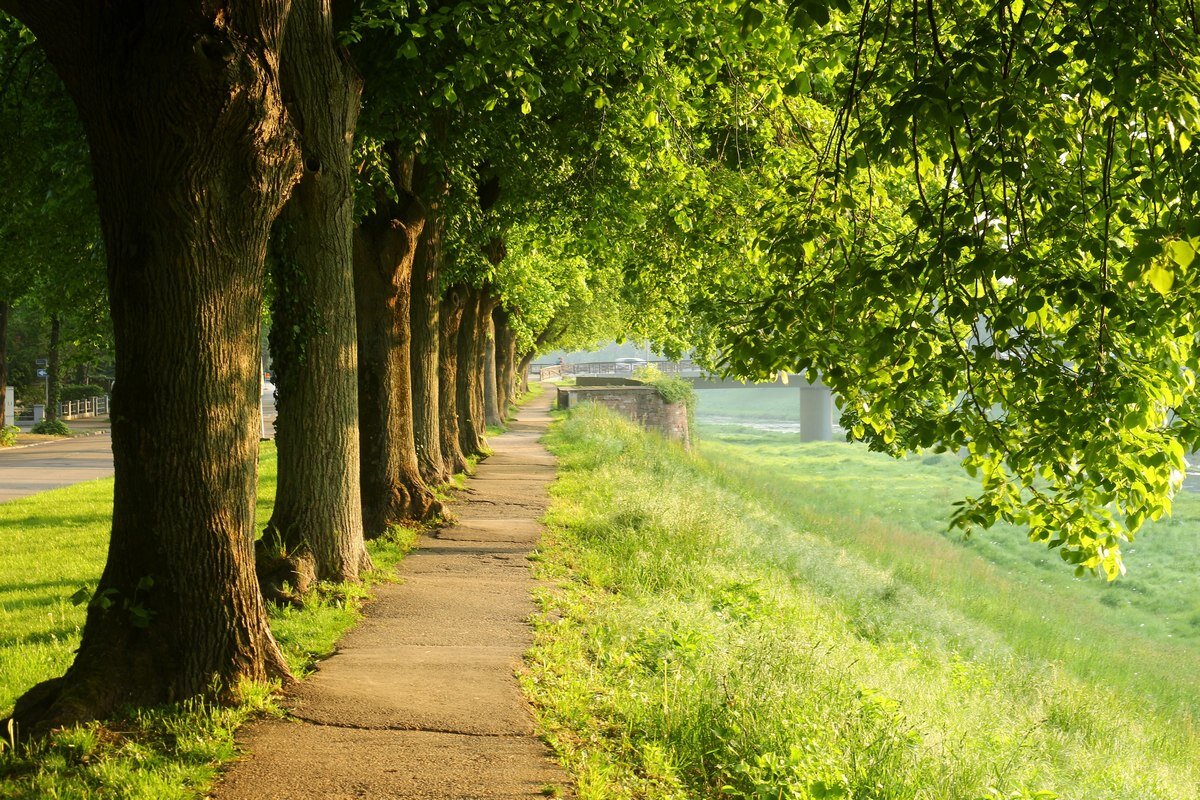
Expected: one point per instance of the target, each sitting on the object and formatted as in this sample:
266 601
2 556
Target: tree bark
193 158
54 369
426 335
491 391
485 358
3 349
506 359
449 325
523 370
384 248
316 528
469 386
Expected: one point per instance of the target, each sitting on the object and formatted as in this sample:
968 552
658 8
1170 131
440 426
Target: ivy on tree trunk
316 528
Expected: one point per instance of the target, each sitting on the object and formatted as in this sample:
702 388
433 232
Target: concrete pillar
39 413
10 405
816 414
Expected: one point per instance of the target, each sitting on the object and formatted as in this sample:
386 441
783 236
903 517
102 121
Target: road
28 470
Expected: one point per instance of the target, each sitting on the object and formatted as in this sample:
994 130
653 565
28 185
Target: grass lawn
53 544
715 632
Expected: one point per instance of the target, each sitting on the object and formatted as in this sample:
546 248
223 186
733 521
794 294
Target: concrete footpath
420 700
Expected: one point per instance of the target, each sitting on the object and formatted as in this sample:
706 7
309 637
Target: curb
104 432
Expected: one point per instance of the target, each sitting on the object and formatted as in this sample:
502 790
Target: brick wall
642 404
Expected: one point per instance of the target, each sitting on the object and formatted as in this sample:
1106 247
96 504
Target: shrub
673 389
51 427
76 392
8 435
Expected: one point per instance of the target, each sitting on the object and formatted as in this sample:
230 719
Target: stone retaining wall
643 404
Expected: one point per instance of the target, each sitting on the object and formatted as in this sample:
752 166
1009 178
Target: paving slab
489 528
299 761
442 688
421 700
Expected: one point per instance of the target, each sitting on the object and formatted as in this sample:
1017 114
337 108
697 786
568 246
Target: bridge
816 407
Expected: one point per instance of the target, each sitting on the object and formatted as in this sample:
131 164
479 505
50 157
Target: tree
317 525
384 250
1009 274
49 229
192 158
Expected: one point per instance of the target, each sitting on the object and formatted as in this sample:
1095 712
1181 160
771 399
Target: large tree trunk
491 392
384 245
316 528
3 350
469 386
426 335
193 159
506 359
54 369
523 370
485 355
450 324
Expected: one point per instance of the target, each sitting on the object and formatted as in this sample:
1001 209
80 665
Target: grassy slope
159 753
708 641
1141 633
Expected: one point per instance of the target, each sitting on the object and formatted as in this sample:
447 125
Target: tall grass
1139 634
699 643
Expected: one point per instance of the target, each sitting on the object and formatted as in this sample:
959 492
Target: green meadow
764 618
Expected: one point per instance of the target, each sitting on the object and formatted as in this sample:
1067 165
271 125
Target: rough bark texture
449 325
426 291
193 158
3 347
491 392
54 368
384 247
469 385
485 355
506 359
316 527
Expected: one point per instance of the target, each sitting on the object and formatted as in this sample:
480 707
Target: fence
595 368
74 409
88 407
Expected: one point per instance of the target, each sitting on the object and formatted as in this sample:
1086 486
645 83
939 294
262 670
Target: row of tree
974 219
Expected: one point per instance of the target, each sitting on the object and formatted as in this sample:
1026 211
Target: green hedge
75 392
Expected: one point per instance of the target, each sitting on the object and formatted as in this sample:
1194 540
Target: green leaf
1161 276
751 19
1182 253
